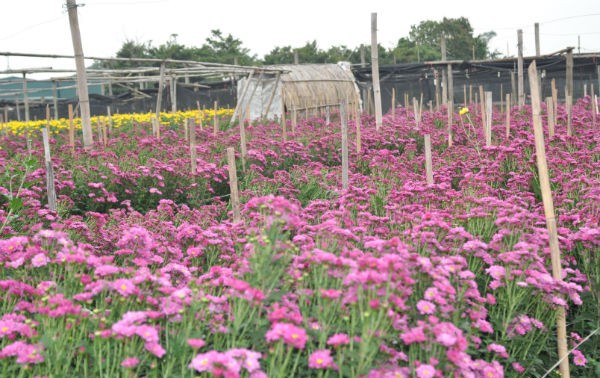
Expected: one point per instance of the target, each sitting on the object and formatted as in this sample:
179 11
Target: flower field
141 271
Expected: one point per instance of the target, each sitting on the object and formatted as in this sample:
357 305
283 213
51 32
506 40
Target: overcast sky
42 26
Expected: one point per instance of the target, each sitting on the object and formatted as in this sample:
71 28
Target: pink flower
338 339
155 191
196 343
496 271
500 350
518 367
215 361
425 307
291 335
425 371
321 359
130 362
414 335
155 348
124 287
578 358
39 260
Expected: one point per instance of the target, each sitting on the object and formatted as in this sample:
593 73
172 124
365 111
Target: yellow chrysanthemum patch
463 111
118 120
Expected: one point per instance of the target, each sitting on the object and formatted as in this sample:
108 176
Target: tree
460 41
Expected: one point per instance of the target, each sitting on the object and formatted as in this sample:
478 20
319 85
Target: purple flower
321 359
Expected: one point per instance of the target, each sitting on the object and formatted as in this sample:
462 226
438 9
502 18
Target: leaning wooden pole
82 89
561 326
233 185
375 72
521 85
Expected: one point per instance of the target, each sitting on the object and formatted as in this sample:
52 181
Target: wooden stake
551 120
482 106
193 153
594 104
358 136
82 87
186 136
569 115
465 95
243 150
393 103
110 120
375 71
215 120
554 98
50 189
520 69
450 83
550 217
428 163
508 107
417 113
569 73
488 118
71 129
344 122
233 185
450 111
161 84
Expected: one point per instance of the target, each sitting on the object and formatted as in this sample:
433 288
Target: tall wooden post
561 326
569 73
450 83
536 27
191 127
450 111
55 99
82 89
521 83
173 94
438 89
233 185
344 123
215 119
488 118
551 120
358 136
375 72
393 103
508 108
554 97
161 84
428 161
25 97
444 74
71 129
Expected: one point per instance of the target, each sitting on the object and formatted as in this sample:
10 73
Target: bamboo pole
520 69
550 217
191 127
569 114
594 104
465 95
375 71
428 162
417 113
482 106
508 107
243 149
215 120
55 99
393 103
554 98
569 73
344 122
488 118
358 126
551 120
283 120
450 110
233 185
161 84
50 188
450 83
71 129
82 88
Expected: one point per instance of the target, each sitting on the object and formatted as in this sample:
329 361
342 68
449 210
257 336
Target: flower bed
142 273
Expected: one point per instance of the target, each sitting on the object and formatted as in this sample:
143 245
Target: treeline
422 44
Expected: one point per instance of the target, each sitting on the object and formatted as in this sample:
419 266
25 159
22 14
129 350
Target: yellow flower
463 111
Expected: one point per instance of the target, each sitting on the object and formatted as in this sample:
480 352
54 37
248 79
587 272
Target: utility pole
82 89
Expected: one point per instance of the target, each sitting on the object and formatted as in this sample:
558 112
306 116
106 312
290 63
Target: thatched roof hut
300 87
